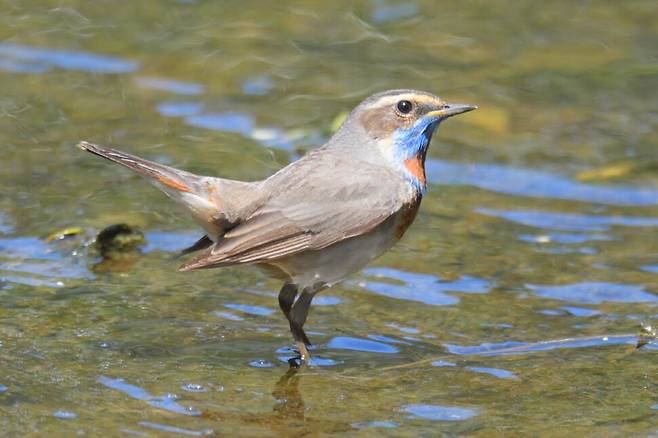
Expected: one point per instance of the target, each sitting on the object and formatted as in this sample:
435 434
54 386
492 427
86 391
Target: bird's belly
332 264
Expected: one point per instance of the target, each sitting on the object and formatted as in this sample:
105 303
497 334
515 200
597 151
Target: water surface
513 304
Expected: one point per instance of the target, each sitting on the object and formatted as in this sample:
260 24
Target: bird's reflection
289 402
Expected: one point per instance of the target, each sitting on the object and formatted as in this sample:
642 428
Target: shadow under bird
322 217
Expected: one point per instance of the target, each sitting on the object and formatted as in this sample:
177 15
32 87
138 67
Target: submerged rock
119 246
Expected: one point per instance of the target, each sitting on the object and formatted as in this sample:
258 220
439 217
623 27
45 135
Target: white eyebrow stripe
391 100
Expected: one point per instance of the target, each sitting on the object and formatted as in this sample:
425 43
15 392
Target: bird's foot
303 359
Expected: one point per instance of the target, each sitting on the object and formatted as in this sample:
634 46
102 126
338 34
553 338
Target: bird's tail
198 194
168 177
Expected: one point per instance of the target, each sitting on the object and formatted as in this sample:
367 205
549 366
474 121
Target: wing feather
309 211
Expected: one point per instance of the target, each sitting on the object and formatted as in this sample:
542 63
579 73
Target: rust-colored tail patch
173 183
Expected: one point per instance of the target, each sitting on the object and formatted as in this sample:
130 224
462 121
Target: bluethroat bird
322 217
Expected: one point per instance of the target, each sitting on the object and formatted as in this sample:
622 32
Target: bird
322 217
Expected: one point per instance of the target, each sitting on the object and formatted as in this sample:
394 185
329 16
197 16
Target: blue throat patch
413 142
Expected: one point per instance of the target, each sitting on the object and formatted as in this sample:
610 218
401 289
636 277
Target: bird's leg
287 296
297 319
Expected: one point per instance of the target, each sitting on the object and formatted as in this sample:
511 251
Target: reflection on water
505 348
439 413
423 288
166 402
365 345
595 293
496 372
534 183
27 59
171 85
569 221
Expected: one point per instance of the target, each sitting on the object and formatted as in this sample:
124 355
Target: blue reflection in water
242 123
166 402
252 310
424 288
580 311
169 241
568 221
496 372
650 268
385 11
563 238
326 300
261 363
31 261
534 183
257 85
356 344
175 430
5 226
228 315
29 59
179 109
65 415
595 293
507 348
382 424
439 413
171 85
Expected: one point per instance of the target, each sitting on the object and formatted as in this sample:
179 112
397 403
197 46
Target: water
513 303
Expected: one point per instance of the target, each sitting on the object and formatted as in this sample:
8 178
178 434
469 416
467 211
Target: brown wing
315 202
274 235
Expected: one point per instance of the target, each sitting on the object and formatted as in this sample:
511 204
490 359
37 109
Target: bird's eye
405 107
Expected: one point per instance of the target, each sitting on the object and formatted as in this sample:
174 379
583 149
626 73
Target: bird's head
401 124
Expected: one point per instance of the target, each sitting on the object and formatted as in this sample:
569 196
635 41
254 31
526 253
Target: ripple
193 387
580 311
30 59
423 288
595 293
228 315
387 339
65 415
5 226
176 430
496 372
439 413
261 363
169 241
166 402
568 221
511 347
179 109
252 310
443 363
535 183
356 344
30 261
316 361
171 85
241 123
563 238
257 85
381 424
385 12
326 300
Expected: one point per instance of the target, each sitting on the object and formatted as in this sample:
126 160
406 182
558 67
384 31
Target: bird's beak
450 109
